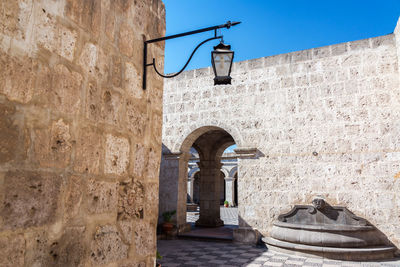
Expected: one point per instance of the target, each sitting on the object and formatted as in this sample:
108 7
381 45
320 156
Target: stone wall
325 121
80 141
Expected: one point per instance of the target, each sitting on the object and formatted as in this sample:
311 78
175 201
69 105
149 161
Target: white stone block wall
340 101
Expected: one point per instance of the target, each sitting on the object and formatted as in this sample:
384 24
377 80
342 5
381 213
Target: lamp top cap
222 46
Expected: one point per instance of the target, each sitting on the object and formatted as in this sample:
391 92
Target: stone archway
210 142
192 132
194 182
232 190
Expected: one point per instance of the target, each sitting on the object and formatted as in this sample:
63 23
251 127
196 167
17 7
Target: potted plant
158 257
167 225
226 203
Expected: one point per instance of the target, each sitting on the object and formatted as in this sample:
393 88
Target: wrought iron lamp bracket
216 36
187 62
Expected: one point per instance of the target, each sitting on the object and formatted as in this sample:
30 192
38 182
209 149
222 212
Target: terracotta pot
226 205
167 227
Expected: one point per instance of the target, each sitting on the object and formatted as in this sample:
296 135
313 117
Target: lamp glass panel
222 63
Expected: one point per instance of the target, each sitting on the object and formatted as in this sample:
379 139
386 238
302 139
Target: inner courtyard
315 129
287 159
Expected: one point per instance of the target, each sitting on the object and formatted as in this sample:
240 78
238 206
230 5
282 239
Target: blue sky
271 27
230 149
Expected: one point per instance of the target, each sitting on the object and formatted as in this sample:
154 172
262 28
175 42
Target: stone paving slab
228 215
212 254
222 233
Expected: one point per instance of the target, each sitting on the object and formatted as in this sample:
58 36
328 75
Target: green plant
158 256
167 216
226 202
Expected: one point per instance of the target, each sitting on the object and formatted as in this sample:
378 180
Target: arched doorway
210 142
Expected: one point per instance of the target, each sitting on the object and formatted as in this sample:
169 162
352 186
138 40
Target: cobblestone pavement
209 254
228 215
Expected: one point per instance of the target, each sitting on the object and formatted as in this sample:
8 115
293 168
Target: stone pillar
169 184
173 188
190 185
209 194
182 193
230 190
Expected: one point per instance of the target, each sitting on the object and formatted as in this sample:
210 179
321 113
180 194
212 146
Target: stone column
230 190
209 194
182 192
168 192
190 185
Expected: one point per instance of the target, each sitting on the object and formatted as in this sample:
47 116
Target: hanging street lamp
221 57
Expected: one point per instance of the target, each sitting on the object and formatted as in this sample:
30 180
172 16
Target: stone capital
230 179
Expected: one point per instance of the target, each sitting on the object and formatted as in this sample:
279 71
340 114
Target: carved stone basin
332 232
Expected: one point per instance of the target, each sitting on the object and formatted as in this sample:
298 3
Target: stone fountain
330 232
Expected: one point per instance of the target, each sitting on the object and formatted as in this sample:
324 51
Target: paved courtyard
210 254
228 215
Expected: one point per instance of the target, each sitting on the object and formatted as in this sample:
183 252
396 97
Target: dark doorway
222 195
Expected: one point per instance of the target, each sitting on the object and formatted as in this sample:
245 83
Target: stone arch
193 171
225 144
189 135
225 172
210 142
233 171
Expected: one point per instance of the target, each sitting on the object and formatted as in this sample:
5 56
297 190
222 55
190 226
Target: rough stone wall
80 141
340 101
